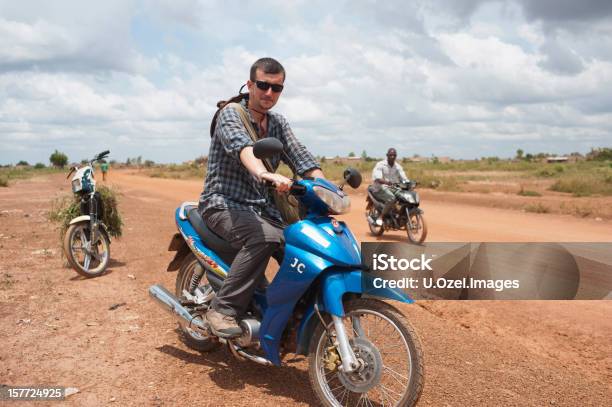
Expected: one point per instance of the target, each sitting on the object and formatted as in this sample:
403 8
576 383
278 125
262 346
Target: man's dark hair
267 65
389 151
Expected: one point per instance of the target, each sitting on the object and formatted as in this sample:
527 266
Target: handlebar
295 189
409 184
100 156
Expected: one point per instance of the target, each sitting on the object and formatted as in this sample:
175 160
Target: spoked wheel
387 349
185 281
89 260
416 227
373 213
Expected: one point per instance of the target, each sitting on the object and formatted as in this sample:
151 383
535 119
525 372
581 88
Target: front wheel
389 353
416 227
86 258
374 214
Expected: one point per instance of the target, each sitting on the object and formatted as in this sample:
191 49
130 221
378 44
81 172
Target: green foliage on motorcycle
67 207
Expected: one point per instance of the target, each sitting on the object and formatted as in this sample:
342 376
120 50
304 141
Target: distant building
557 159
342 160
416 159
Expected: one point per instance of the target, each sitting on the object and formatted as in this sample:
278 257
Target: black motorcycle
404 215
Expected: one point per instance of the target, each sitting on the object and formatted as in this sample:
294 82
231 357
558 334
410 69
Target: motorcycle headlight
76 185
337 204
410 198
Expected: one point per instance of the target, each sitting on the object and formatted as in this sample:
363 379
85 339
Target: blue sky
463 78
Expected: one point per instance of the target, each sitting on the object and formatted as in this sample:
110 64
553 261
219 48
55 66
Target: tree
39 166
364 155
201 161
519 154
23 163
351 154
58 159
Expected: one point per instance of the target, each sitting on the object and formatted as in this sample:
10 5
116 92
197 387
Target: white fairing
82 177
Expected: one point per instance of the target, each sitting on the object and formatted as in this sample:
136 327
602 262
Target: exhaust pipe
172 305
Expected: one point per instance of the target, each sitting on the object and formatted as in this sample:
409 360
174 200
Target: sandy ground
57 328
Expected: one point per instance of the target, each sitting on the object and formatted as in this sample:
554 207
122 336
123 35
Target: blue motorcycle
360 349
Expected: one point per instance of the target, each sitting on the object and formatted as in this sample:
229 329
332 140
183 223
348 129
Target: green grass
177 171
526 192
8 174
580 179
581 183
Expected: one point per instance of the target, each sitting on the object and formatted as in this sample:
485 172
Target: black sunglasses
265 86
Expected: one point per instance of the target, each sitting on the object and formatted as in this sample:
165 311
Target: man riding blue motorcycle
234 204
360 349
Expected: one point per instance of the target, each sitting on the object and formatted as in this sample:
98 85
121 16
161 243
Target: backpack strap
221 104
244 116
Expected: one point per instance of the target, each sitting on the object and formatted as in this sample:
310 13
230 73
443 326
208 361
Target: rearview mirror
267 147
352 177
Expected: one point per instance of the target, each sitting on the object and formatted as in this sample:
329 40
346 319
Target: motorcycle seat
371 194
213 241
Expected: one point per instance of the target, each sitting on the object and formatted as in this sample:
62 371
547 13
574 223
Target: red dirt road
57 329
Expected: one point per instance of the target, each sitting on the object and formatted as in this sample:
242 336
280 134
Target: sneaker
222 325
378 222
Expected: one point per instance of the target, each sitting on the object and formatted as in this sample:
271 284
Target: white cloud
471 79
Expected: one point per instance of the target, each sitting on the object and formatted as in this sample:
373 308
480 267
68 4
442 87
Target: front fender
336 283
81 218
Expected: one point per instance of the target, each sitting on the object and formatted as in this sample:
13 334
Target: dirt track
56 328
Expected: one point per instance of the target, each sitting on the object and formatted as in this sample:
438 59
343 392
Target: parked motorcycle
360 350
405 214
87 242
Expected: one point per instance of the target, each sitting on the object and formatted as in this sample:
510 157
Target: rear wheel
416 227
389 353
87 259
194 339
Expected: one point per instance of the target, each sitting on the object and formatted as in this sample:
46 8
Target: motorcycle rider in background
384 175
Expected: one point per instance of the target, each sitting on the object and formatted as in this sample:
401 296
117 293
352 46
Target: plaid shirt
228 183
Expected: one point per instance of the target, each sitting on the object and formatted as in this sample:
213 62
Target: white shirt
382 170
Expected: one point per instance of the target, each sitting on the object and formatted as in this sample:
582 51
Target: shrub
3 181
585 184
39 166
537 208
546 173
526 192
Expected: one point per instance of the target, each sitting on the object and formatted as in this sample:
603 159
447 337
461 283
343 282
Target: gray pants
257 240
386 195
